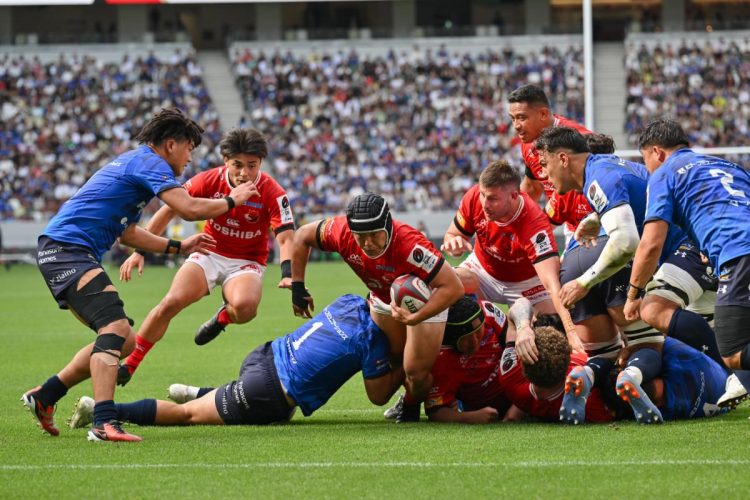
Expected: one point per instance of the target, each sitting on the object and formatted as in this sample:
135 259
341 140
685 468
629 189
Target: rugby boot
45 415
409 413
577 389
734 393
631 392
111 431
392 412
181 393
210 329
83 413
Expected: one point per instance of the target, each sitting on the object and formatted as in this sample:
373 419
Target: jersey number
726 181
297 343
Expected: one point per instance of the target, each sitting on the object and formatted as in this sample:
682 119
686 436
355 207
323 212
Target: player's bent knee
95 304
657 313
109 344
244 313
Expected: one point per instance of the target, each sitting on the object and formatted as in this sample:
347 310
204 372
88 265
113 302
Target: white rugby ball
410 292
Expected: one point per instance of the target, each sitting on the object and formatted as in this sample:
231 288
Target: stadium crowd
416 126
703 85
61 121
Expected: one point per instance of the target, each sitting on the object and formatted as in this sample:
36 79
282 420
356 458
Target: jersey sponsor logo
531 292
460 219
233 222
355 259
508 360
550 208
235 233
251 217
251 267
388 269
253 204
285 210
422 258
597 197
541 242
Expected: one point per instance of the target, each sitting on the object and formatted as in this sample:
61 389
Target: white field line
418 465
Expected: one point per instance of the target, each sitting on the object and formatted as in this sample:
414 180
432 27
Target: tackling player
710 198
238 262
379 249
514 254
304 368
70 251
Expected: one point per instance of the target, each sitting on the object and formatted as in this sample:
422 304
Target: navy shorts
733 306
256 398
611 292
62 265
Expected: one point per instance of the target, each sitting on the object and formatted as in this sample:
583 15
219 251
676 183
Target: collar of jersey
515 215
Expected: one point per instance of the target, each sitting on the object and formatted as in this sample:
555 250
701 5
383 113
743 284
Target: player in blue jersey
709 198
616 190
304 368
70 251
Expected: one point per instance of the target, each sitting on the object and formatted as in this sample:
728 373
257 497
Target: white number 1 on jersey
297 343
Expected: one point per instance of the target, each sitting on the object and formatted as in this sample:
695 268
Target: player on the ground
70 251
238 262
514 254
378 250
616 191
304 368
710 198
530 113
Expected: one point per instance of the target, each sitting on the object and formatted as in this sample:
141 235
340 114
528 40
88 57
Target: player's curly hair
554 358
530 94
553 139
500 173
170 123
600 144
665 133
553 320
243 141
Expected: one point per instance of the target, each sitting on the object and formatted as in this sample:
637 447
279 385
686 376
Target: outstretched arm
305 239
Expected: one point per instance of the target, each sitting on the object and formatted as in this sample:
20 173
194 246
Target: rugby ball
410 292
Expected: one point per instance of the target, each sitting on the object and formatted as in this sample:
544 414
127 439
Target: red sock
409 399
224 318
142 346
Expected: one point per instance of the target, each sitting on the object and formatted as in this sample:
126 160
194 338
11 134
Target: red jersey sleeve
553 210
197 186
464 218
445 380
419 254
279 209
329 233
535 232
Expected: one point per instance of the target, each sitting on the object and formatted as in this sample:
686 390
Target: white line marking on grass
419 465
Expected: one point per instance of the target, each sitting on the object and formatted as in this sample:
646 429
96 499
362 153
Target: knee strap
642 333
94 305
108 343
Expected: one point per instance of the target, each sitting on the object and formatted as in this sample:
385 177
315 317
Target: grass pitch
345 450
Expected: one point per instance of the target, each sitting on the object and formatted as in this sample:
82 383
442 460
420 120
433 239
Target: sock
644 364
693 330
141 412
409 399
104 411
52 391
203 391
223 317
598 369
142 346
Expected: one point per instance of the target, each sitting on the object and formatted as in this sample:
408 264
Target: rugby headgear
369 212
461 320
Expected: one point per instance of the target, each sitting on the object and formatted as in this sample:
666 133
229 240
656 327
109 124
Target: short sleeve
606 191
464 218
280 210
157 177
196 186
659 197
421 256
328 234
535 234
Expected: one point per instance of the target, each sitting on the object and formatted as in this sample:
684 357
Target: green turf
345 450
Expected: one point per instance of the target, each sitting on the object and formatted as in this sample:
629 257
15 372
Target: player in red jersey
529 111
379 249
514 254
477 368
238 262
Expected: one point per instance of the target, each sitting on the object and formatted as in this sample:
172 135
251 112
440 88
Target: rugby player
237 263
107 207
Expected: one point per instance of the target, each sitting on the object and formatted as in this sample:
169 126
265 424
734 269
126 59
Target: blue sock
104 411
601 368
648 361
693 330
204 390
52 391
141 412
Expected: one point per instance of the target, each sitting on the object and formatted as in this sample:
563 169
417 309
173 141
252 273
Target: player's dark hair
170 124
553 139
500 173
243 141
553 320
530 94
554 357
600 144
665 133
464 316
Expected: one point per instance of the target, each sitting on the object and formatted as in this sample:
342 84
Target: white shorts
381 307
505 292
693 296
219 269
